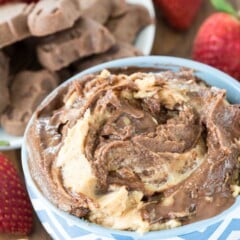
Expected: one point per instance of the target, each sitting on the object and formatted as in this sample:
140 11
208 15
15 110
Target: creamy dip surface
141 151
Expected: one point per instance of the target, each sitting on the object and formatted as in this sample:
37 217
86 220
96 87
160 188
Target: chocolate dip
142 152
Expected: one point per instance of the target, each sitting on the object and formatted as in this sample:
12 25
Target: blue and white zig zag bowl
62 226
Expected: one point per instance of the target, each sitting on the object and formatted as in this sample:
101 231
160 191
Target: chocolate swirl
166 136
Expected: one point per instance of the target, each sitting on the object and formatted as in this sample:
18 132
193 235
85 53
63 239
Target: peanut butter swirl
141 151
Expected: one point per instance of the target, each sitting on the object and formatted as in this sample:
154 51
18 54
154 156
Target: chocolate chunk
87 37
120 7
13 22
96 10
127 26
51 16
27 91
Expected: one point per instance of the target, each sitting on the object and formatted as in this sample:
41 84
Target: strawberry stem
225 6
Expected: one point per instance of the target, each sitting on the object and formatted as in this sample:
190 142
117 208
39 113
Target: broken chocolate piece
127 26
86 38
13 22
51 16
96 10
27 91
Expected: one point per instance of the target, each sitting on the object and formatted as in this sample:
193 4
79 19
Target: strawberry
5 1
179 13
217 42
16 214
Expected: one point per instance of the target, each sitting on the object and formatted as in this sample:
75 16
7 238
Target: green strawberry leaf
224 6
4 143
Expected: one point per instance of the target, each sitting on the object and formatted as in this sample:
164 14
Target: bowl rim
165 62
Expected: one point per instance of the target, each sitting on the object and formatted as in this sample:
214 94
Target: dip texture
141 151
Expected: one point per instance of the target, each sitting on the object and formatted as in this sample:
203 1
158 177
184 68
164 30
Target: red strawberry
5 1
15 208
218 43
179 13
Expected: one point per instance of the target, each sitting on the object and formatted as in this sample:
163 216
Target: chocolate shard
86 38
13 22
51 16
120 7
97 10
127 26
27 91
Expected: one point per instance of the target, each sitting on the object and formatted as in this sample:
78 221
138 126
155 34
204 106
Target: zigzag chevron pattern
61 229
